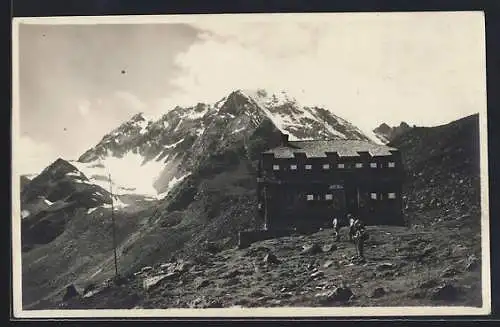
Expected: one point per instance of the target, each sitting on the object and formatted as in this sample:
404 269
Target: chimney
284 139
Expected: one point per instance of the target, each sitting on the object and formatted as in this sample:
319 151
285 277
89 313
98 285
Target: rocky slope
405 267
386 134
184 255
442 166
25 180
197 183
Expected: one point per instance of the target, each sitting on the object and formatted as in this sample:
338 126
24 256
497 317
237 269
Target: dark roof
317 149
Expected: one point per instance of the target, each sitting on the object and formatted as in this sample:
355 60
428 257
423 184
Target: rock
329 247
449 272
71 293
317 274
256 251
459 250
446 292
201 282
472 263
328 264
339 294
428 284
211 247
166 266
428 250
89 288
385 266
146 269
150 282
231 274
378 292
270 258
181 267
312 249
257 293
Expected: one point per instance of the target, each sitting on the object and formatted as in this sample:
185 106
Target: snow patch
118 203
25 214
91 210
48 202
129 174
173 145
238 130
174 181
75 173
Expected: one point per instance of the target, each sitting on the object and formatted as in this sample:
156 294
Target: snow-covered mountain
149 157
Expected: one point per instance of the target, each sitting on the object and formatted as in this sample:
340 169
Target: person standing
336 229
360 236
352 222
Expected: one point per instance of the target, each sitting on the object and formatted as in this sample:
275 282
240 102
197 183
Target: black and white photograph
329 164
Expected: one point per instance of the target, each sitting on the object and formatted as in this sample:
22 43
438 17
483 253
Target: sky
78 81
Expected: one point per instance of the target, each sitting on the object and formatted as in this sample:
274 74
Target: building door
352 200
337 205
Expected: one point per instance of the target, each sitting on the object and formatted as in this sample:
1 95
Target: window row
373 196
339 166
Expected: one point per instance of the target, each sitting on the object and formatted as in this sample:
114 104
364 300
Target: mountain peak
138 117
386 133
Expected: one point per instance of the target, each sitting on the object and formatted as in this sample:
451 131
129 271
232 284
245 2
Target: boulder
378 292
317 274
472 263
385 266
339 294
312 249
71 293
270 258
329 247
328 264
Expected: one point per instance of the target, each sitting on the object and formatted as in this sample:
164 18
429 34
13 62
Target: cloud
366 68
84 108
32 156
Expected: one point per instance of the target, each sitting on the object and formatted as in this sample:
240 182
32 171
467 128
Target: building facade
305 184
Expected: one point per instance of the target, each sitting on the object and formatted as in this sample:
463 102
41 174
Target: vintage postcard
260 165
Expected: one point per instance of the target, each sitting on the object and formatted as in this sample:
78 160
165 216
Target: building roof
319 148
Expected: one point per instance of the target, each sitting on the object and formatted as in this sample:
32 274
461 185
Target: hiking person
360 237
352 222
336 229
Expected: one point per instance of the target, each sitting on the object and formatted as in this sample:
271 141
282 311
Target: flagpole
113 222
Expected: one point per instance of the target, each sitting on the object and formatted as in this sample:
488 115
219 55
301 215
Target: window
293 167
308 167
326 166
276 167
359 165
392 164
373 196
373 165
310 197
328 196
392 195
340 165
